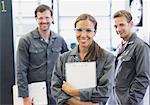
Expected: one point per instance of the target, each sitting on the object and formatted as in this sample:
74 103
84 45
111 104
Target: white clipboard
37 92
81 74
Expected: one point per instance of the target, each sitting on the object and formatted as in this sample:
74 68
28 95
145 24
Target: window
70 9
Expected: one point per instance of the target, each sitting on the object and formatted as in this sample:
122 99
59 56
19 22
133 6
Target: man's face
123 27
44 20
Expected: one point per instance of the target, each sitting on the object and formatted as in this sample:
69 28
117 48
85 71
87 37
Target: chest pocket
126 55
127 61
36 51
126 58
56 50
37 55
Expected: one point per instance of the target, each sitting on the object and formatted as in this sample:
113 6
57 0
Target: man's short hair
42 8
123 13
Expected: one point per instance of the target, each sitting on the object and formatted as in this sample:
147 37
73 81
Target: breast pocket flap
126 58
36 50
56 49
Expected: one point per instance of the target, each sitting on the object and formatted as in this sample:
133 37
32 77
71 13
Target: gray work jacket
36 58
133 72
104 75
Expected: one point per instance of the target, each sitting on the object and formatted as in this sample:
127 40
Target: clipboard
37 92
81 74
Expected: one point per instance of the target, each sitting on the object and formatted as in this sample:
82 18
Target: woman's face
84 33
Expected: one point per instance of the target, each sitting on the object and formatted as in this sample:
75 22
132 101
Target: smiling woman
85 37
86 51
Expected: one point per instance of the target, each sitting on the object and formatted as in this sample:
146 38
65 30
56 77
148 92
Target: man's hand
69 89
27 101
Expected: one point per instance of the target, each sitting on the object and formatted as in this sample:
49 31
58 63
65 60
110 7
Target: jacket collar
36 34
132 38
130 42
75 51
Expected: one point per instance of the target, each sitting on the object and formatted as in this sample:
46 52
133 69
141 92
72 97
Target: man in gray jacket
132 63
37 53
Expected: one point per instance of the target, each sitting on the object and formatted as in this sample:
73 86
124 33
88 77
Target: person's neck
45 34
127 38
83 52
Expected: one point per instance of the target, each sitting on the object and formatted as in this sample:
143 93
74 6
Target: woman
86 51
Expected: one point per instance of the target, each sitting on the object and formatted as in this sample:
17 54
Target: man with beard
36 54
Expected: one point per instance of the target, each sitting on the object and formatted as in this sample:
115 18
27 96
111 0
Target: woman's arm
56 83
105 75
76 101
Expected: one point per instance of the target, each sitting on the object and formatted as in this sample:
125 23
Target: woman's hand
69 89
76 101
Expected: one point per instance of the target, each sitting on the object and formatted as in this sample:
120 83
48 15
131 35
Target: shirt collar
36 34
